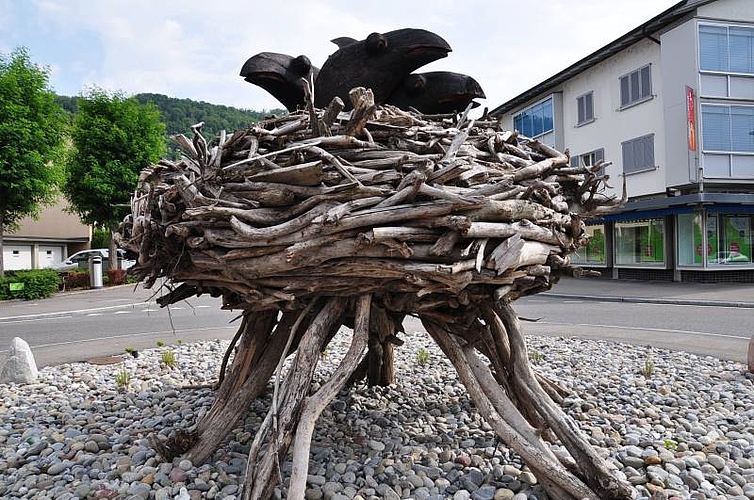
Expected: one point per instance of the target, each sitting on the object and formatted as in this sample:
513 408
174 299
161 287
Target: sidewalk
598 289
657 292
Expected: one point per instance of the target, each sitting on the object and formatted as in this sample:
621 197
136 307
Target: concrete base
751 355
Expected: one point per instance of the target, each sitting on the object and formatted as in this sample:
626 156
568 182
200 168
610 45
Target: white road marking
646 329
126 335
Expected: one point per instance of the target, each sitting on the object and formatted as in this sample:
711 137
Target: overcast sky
195 49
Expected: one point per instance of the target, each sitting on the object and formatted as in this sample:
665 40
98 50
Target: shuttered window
585 107
728 128
639 154
713 48
589 159
726 48
636 86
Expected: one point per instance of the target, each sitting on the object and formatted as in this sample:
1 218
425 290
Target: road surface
78 328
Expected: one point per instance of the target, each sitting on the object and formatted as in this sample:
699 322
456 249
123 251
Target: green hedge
29 285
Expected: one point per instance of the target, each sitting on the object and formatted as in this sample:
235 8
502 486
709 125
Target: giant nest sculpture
400 206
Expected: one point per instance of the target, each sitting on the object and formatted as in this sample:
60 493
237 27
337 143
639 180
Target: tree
114 138
32 128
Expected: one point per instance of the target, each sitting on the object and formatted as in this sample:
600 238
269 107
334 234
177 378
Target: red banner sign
691 118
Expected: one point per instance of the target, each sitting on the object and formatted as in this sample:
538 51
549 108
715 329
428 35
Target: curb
652 300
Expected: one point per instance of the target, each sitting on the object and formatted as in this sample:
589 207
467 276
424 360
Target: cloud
193 49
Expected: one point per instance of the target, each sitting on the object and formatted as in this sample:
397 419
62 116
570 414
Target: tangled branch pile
432 211
322 219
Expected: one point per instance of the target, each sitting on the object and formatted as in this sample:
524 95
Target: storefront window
594 252
729 238
640 242
690 240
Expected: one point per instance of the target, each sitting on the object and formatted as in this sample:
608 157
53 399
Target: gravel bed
676 425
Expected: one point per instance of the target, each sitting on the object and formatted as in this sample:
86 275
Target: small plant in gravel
123 379
535 356
160 343
325 352
168 359
132 351
422 357
670 445
648 369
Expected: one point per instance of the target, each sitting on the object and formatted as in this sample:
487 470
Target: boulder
20 366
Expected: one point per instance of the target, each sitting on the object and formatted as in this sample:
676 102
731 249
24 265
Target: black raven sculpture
280 75
379 62
437 92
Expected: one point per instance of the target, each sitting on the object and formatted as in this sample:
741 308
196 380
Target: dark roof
660 21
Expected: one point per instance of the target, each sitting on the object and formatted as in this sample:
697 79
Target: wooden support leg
314 404
262 471
507 422
593 469
232 401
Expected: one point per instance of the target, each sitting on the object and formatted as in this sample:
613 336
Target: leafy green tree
32 128
114 138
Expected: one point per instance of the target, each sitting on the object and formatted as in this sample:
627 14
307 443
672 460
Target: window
635 86
589 159
728 128
593 253
536 120
640 242
727 49
639 154
690 240
729 237
585 105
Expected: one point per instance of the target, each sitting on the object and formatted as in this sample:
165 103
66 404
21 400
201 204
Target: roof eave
644 30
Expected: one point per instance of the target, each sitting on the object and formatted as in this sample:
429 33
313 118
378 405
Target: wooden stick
313 405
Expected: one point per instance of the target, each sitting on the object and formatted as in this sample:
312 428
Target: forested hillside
180 114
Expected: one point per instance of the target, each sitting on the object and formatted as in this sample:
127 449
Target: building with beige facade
51 238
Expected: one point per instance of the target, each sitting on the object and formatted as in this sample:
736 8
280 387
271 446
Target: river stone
20 367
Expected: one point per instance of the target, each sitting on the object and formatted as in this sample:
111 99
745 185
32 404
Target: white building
671 104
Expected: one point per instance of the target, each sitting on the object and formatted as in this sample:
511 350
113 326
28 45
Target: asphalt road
107 328
723 332
77 328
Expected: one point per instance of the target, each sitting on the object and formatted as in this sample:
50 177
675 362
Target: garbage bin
95 271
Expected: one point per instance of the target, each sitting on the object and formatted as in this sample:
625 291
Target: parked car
80 260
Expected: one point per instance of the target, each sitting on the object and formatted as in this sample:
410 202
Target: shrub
116 276
123 379
168 359
76 279
29 285
648 369
422 357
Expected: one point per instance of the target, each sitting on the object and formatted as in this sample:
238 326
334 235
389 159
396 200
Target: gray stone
716 461
20 367
504 494
484 493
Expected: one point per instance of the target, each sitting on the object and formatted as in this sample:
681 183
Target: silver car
80 260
